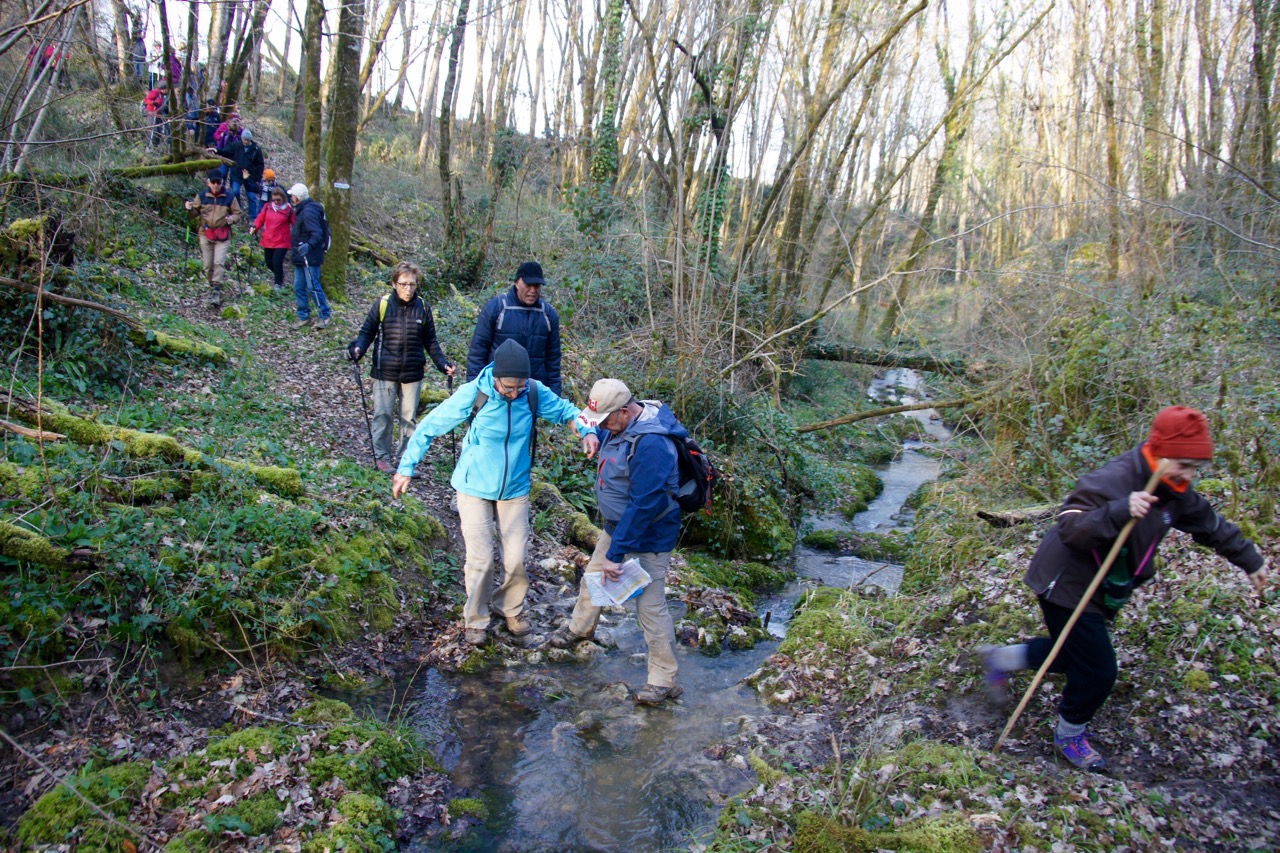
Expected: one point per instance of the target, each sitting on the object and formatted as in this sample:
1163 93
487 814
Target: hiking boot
301 324
997 680
322 324
384 466
563 638
1080 752
517 626
475 636
652 694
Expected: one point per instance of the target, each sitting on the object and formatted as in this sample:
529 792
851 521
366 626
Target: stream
562 759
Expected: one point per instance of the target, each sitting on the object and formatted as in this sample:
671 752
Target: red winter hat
1179 432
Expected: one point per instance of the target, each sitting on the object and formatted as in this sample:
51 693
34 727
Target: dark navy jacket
309 228
535 327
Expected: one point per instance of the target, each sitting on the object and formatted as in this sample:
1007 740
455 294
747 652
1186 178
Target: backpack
541 308
531 396
697 477
327 234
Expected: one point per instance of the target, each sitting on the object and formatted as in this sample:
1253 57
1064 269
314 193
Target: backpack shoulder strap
532 395
382 306
481 399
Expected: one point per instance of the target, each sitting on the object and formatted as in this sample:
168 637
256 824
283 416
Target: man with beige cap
637 480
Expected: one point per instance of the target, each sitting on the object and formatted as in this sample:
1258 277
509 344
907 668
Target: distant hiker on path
492 480
218 211
635 490
523 316
1073 551
310 240
402 332
247 171
275 223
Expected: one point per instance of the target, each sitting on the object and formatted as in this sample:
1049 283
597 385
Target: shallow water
566 762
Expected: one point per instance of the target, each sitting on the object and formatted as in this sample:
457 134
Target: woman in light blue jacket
492 480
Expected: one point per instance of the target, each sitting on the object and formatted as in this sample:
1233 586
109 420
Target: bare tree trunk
249 38
120 33
406 27
451 206
289 16
342 146
430 77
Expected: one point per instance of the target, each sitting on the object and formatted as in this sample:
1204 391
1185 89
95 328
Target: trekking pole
364 405
453 433
1075 616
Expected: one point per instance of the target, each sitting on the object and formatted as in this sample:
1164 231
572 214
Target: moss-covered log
144 445
887 358
151 340
22 544
362 244
187 167
578 529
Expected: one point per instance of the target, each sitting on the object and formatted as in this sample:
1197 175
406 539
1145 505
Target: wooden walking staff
1075 616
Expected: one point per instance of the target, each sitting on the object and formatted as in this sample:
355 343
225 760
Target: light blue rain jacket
494 461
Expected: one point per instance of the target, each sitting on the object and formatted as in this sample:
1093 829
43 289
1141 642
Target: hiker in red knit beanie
1073 551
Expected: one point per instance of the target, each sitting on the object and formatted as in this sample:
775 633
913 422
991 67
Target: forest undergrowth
178 596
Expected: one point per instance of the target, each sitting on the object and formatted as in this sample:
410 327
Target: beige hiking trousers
480 519
651 611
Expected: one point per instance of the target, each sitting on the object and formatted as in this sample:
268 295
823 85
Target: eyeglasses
412 283
215 180
511 389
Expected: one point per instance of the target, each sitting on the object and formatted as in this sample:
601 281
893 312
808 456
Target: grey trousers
651 611
393 401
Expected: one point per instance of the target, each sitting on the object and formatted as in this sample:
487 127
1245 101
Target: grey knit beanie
510 361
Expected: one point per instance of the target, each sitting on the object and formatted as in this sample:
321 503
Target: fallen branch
887 410
38 435
145 338
1011 517
143 445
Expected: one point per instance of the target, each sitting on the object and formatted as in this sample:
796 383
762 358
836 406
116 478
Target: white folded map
607 593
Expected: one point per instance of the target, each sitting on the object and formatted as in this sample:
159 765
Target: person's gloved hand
304 248
1259 578
353 352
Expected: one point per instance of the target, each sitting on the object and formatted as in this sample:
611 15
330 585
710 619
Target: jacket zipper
506 454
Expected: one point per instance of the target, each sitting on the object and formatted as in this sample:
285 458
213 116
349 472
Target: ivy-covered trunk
342 147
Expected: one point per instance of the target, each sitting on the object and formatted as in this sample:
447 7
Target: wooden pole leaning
1075 616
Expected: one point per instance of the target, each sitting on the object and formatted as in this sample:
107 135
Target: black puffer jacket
1091 518
400 340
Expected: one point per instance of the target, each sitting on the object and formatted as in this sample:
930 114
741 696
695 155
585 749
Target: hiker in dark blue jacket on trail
636 485
523 316
310 242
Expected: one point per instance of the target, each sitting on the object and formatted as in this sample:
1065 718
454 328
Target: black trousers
1087 658
275 262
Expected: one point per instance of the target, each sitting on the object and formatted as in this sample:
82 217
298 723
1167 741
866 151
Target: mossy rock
469 807
822 540
60 816
262 289
345 837
365 810
233 312
325 711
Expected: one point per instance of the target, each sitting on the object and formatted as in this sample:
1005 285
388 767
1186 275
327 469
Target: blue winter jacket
308 230
535 327
494 461
636 482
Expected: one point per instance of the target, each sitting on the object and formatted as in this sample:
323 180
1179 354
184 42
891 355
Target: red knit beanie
1179 432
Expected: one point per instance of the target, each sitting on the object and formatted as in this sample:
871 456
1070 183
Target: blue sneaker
1080 752
997 680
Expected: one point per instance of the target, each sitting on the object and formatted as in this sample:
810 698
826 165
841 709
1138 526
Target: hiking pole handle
1075 616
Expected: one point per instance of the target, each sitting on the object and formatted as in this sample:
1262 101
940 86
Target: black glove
353 352
304 249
